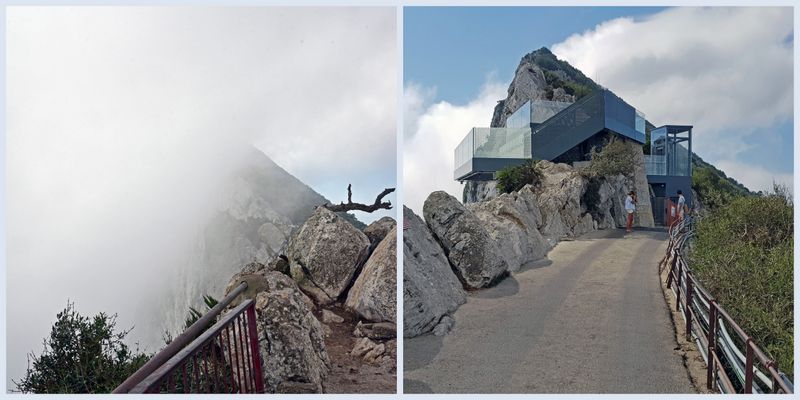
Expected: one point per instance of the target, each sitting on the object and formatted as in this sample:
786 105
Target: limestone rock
377 330
324 254
378 230
430 288
477 191
559 198
368 350
512 220
291 387
445 326
472 252
329 317
290 338
374 293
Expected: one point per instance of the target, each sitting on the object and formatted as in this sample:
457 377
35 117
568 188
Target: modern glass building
669 166
547 130
567 132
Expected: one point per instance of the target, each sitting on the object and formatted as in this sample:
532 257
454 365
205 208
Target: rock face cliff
258 208
542 76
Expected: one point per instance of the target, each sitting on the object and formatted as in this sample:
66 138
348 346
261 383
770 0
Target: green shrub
81 355
510 179
614 158
743 256
714 190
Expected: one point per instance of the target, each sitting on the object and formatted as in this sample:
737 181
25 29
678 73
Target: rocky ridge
325 309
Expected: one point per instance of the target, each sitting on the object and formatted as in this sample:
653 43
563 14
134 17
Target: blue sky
727 71
455 48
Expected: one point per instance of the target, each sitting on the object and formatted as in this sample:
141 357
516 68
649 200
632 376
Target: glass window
520 118
640 122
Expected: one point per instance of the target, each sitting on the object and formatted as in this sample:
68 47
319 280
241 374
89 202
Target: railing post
672 269
678 286
688 309
254 351
748 373
712 342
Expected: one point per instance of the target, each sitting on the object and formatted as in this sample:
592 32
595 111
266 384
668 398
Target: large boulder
559 195
430 288
378 230
512 220
471 250
290 338
374 293
324 254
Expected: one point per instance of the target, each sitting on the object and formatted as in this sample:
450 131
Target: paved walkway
593 320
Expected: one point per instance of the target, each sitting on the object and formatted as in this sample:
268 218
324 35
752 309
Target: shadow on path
507 287
426 348
415 386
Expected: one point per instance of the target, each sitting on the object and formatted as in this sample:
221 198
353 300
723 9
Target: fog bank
122 123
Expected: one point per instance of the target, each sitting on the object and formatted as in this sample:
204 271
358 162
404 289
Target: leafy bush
82 355
614 158
571 87
714 190
743 256
513 178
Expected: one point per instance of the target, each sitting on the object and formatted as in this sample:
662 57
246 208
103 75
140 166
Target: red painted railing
728 369
224 358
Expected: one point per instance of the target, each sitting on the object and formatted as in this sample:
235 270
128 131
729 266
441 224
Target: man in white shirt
630 207
681 205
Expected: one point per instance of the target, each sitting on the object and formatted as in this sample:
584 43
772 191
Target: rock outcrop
290 338
430 288
513 220
257 207
559 196
476 191
532 81
477 260
378 230
374 293
324 255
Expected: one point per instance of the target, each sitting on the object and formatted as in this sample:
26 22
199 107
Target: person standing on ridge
630 207
681 205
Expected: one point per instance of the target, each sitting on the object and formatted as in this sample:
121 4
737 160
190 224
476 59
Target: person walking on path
630 207
681 206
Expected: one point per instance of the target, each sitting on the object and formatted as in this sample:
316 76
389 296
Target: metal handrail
719 349
190 340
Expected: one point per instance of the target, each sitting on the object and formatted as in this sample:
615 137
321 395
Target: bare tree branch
350 206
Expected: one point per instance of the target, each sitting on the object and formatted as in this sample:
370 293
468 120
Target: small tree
81 355
510 179
614 158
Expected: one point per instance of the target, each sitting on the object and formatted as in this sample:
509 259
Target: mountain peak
540 75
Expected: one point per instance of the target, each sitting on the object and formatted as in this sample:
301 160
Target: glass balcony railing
674 163
493 143
655 165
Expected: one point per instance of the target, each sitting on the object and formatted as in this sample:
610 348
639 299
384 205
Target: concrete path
591 320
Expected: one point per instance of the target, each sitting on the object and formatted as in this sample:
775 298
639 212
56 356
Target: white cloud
727 71
754 177
436 131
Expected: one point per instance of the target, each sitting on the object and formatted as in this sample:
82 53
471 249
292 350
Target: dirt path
592 320
350 374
